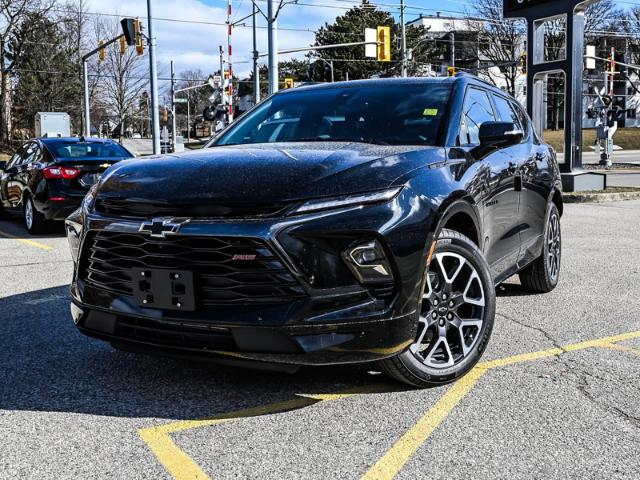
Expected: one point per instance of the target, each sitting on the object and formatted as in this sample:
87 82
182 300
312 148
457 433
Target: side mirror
500 134
3 164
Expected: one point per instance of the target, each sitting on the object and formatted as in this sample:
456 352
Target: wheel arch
462 217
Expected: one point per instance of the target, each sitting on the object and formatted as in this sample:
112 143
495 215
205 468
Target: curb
601 197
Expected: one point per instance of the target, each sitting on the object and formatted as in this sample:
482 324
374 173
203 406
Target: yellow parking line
31 243
395 458
182 467
623 348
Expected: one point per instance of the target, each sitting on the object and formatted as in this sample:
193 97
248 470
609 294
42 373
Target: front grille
127 208
175 334
108 258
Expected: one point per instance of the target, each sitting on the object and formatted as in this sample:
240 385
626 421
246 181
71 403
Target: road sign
371 47
217 80
180 100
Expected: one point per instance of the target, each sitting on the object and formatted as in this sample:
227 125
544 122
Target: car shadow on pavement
47 365
14 226
512 290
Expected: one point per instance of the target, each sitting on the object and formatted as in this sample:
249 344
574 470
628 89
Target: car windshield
400 114
88 150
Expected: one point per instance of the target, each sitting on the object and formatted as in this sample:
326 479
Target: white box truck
52 124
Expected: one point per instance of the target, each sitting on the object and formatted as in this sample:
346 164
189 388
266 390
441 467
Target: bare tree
123 79
501 41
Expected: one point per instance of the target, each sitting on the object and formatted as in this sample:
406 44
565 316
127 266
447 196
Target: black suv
347 222
47 178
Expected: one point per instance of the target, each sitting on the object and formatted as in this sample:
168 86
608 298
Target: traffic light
139 39
123 46
384 44
102 53
451 71
522 64
288 83
129 31
165 114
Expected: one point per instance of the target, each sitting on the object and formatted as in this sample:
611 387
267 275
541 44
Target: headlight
349 200
90 199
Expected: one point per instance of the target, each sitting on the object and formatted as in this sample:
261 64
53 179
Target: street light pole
173 106
272 33
87 114
155 115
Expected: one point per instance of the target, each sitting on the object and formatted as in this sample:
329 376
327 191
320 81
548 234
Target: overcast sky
195 45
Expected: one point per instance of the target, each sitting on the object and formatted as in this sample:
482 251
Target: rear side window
476 111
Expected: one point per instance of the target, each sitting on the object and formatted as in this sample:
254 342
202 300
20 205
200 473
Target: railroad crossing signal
288 83
384 44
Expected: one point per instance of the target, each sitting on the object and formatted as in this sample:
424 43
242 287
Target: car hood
265 173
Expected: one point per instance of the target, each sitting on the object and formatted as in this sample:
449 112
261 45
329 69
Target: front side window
406 114
476 111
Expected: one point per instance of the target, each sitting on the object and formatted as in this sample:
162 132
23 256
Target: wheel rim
28 214
554 244
452 313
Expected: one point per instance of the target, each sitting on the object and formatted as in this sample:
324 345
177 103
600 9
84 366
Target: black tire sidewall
429 375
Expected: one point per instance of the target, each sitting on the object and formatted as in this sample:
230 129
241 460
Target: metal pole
174 130
155 115
272 32
331 65
256 69
87 114
404 40
188 120
453 49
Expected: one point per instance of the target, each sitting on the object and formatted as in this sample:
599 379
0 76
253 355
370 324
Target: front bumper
336 321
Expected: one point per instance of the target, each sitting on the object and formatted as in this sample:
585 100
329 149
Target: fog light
369 263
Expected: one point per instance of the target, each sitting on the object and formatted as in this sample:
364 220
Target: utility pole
155 115
173 106
256 69
272 33
404 40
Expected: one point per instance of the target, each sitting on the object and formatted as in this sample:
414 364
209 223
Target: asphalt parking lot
557 394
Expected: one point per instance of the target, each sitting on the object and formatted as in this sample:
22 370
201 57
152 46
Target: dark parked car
47 178
348 222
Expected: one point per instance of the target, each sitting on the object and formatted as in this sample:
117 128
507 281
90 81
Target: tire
34 221
543 274
455 314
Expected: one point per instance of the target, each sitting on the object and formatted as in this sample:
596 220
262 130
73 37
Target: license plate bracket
164 289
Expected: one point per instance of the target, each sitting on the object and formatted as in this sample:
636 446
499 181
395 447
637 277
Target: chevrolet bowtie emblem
161 227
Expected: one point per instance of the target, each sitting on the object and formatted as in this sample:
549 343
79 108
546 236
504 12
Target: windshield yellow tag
430 112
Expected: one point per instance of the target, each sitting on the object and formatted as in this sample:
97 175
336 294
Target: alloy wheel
452 313
554 244
28 214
